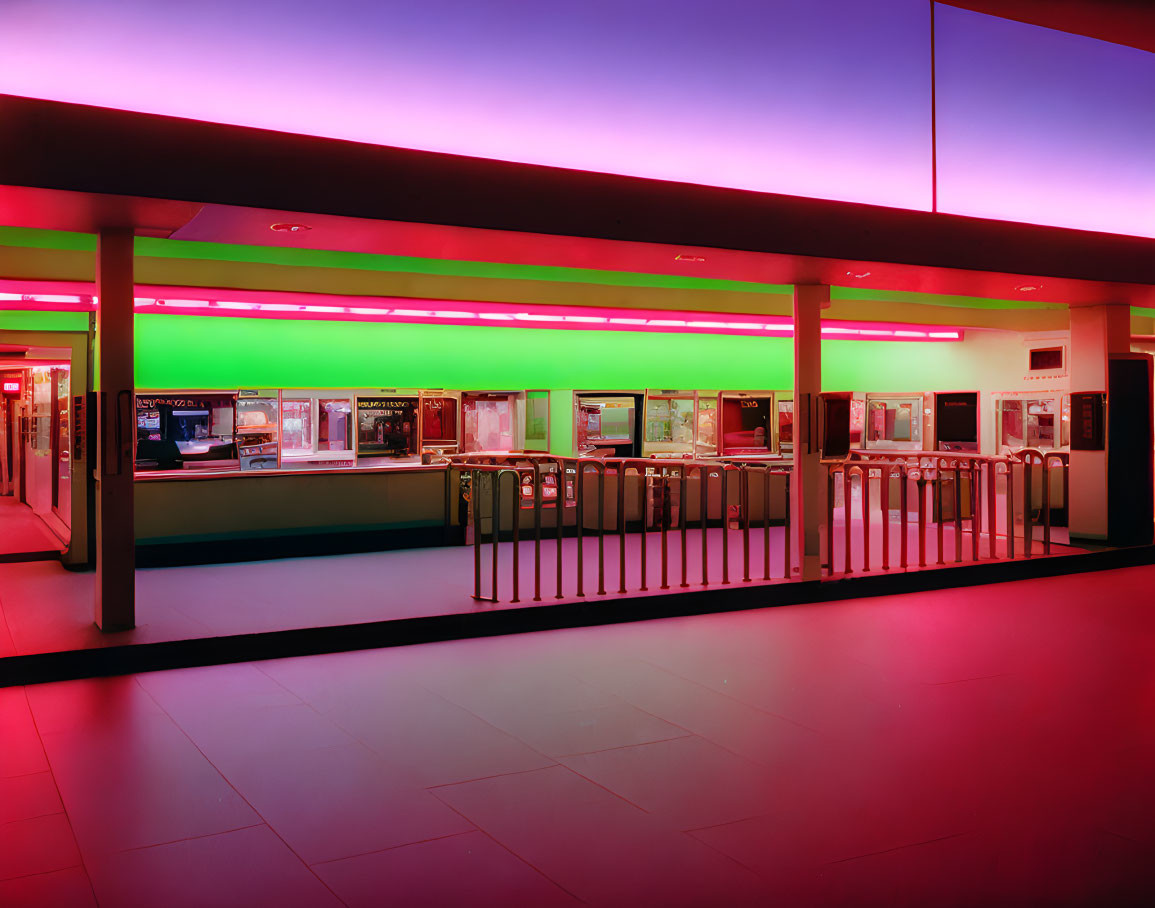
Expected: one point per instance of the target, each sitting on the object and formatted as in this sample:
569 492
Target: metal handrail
662 476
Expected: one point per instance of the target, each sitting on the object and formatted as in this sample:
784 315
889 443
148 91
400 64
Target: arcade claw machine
387 427
748 420
1032 419
608 424
670 423
258 432
893 422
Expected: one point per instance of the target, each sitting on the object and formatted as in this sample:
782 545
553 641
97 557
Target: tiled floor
21 531
965 747
45 608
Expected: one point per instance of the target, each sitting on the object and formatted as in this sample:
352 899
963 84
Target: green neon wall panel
196 352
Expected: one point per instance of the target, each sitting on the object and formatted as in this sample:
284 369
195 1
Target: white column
1097 332
808 504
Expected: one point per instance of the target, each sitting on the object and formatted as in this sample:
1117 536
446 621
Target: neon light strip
284 305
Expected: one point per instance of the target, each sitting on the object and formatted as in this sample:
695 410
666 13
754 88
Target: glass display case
893 422
746 424
489 421
669 423
186 431
316 430
439 421
706 443
608 424
785 425
258 430
386 428
1033 420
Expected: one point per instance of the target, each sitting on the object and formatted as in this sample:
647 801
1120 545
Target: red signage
12 386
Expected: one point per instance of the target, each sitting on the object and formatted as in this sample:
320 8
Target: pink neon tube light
278 304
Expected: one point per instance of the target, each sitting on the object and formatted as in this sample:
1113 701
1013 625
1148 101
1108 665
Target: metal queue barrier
658 478
956 485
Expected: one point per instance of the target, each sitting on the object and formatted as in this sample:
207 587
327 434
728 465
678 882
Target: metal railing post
904 517
537 530
744 504
1028 530
884 506
958 518
847 491
920 483
683 492
829 523
725 525
474 491
704 520
581 513
622 531
787 566
766 474
602 531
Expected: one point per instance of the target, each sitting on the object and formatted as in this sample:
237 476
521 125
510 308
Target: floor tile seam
481 829
238 793
189 838
209 631
363 854
697 829
25 775
38 816
689 834
497 775
602 750
873 854
734 699
495 727
29 876
60 795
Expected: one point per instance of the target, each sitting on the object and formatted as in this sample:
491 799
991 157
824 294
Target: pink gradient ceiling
827 98
790 97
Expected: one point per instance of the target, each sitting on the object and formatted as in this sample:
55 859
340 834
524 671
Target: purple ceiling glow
1043 126
827 99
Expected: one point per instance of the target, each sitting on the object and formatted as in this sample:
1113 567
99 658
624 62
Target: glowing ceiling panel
829 99
1043 126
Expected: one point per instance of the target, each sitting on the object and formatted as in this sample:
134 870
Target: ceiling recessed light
290 228
1027 288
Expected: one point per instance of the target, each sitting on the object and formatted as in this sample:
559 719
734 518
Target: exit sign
12 386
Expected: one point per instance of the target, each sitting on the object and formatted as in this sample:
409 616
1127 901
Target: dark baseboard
145 657
264 548
20 557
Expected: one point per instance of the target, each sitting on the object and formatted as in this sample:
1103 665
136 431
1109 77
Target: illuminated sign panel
826 99
1042 126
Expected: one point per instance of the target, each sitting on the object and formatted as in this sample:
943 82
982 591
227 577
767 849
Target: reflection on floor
46 608
945 748
22 532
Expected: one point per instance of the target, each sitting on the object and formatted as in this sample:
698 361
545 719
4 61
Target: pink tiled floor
45 608
22 531
948 748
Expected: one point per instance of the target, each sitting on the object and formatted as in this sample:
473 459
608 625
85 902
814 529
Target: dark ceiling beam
116 153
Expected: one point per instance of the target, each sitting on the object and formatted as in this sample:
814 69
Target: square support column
116 448
1097 510
808 498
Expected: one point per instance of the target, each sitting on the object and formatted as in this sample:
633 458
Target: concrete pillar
115 533
1097 333
808 504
